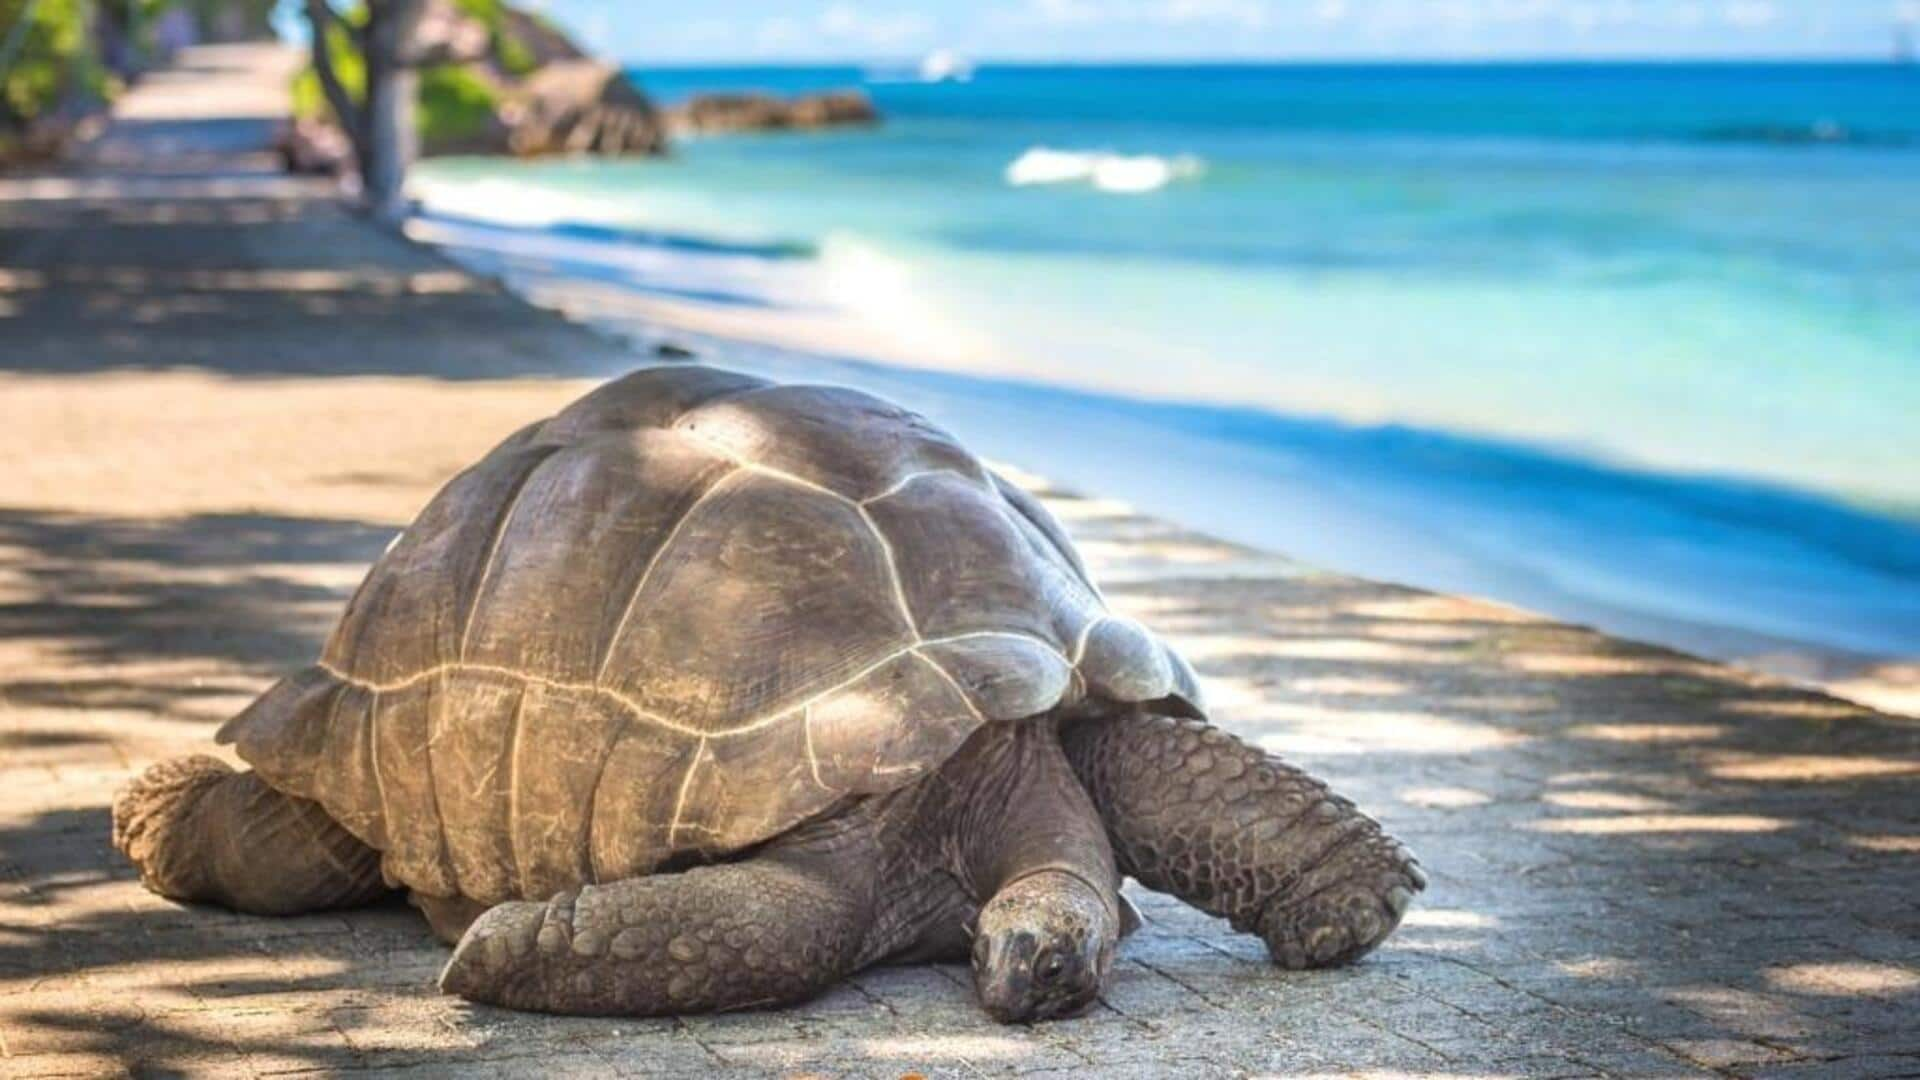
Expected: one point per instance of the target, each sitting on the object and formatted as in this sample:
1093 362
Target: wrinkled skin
1043 948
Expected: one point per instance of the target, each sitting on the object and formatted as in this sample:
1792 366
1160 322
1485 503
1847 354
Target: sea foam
1122 174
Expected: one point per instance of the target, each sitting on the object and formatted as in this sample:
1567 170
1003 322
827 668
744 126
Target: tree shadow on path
258 286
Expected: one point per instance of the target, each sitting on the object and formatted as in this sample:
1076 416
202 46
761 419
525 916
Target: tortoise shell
690 611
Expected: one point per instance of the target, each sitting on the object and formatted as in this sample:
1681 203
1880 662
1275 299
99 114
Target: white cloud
1251 14
1685 16
835 27
1749 14
1246 14
1062 12
778 34
845 22
1580 16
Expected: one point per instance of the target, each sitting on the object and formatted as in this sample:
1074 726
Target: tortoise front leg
1195 812
768 931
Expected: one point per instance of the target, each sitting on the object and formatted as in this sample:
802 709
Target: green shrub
455 103
52 60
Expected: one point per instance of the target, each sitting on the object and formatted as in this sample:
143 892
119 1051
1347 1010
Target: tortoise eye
1050 966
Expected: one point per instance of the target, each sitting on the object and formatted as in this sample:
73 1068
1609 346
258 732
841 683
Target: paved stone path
1642 864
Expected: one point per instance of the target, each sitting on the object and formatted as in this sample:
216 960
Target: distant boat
945 65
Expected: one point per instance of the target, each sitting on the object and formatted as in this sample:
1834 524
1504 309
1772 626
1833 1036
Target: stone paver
1643 864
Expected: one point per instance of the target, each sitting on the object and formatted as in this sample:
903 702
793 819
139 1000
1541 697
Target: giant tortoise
708 691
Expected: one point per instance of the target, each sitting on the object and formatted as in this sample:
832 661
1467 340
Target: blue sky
803 30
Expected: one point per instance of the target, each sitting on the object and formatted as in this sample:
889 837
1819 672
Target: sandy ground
219 401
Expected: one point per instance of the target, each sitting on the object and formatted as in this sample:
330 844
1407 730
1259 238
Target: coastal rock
542 42
508 82
581 106
710 113
448 35
511 44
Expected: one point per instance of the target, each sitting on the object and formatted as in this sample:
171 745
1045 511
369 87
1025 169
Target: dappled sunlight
1592 664
1571 822
1449 919
934 1048
1890 845
259 591
1846 978
1648 733
1601 967
1510 705
1604 800
1426 632
1628 824
1169 551
1344 685
1801 709
1202 648
1809 768
1079 510
212 276
372 280
1610 829
1309 730
1432 607
1444 798
1586 776
1745 1011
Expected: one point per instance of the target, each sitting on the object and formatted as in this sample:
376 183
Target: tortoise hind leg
199 831
768 931
1234 831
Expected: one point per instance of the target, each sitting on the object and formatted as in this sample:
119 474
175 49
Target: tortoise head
1043 947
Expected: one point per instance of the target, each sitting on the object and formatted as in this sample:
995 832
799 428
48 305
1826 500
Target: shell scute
645 399
687 613
401 725
409 614
855 742
852 444
584 529
767 594
633 804
472 774
966 566
1005 676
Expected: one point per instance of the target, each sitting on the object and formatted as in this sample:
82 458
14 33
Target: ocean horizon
1633 344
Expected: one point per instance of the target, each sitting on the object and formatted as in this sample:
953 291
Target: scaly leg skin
768 931
1195 812
199 831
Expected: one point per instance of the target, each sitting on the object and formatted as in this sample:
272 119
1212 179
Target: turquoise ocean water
1634 344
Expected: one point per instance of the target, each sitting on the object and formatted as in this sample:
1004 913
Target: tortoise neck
1011 807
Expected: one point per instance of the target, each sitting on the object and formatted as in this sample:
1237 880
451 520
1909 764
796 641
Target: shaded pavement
1642 864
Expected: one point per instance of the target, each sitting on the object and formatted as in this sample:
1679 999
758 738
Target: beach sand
1643 863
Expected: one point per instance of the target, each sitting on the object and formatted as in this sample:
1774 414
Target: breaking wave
1123 174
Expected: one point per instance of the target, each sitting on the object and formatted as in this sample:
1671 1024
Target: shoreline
1034 424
